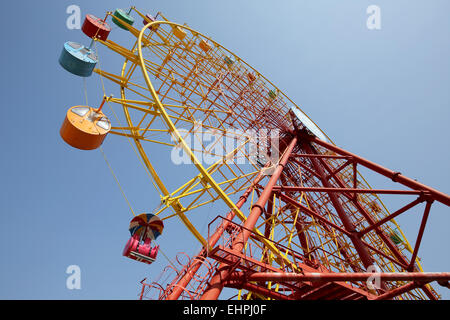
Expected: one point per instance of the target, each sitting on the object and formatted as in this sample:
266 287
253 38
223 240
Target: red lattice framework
326 178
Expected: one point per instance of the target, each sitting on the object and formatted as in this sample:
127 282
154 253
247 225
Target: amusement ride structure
315 229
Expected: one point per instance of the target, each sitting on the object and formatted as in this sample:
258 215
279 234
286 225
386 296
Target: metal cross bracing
326 244
310 212
173 273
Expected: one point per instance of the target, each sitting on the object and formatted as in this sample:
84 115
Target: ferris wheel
315 228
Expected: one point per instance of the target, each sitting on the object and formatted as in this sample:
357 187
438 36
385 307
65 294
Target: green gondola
125 17
395 237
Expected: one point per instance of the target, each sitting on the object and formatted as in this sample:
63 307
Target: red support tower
314 168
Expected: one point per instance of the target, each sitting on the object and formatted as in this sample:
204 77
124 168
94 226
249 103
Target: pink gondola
143 229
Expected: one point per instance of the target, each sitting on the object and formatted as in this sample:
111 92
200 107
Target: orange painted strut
101 106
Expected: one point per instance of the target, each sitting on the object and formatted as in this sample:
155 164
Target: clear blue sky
383 94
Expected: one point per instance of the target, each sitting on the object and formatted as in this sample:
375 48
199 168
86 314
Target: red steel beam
371 221
391 216
348 190
340 277
363 253
305 167
341 167
341 246
396 252
197 261
308 155
258 290
401 263
420 235
216 283
401 290
301 234
312 213
393 175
